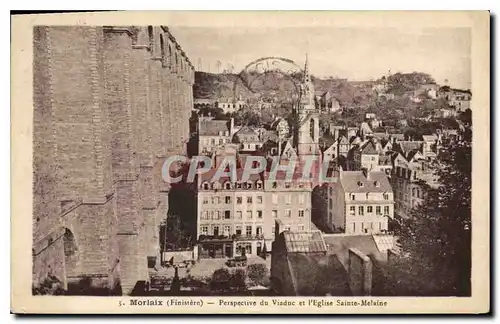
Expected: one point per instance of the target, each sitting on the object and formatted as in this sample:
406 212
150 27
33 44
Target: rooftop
212 127
356 181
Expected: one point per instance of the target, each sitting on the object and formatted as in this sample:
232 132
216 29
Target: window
237 231
259 213
206 186
301 213
228 199
249 185
204 215
361 211
217 214
216 230
238 185
288 185
274 198
227 214
288 199
249 199
300 228
352 210
239 214
288 213
239 200
258 230
259 183
413 192
275 185
249 214
369 209
248 231
274 213
259 199
204 230
386 196
227 230
302 199
273 230
377 210
212 141
353 197
205 200
330 203
386 210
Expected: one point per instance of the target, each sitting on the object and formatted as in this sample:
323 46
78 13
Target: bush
238 279
220 279
257 273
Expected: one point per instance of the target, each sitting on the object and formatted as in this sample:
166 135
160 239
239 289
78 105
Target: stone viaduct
110 103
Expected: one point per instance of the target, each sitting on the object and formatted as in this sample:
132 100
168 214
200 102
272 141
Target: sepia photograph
176 162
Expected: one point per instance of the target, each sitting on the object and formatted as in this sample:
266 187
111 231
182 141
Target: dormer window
206 186
386 196
259 184
376 184
360 184
238 185
227 185
249 185
275 185
288 185
353 197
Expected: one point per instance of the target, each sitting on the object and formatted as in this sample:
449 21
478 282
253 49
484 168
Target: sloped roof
212 127
375 182
407 146
304 242
340 245
246 130
384 160
368 148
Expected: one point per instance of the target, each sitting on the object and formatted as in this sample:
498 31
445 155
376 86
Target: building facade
360 203
110 103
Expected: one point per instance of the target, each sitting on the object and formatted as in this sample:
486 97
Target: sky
352 53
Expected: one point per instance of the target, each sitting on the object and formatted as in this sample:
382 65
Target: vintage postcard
251 162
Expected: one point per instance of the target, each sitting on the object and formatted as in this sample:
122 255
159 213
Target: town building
110 104
411 173
312 263
236 214
360 203
230 105
213 134
248 139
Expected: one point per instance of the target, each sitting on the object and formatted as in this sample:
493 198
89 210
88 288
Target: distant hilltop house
429 90
456 98
230 105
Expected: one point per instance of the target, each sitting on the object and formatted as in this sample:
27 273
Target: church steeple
307 78
307 89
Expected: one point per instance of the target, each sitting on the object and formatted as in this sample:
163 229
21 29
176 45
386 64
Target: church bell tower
307 128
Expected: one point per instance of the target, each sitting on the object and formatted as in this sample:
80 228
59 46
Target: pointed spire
306 68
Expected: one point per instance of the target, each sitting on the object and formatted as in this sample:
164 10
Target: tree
257 272
238 280
220 280
436 239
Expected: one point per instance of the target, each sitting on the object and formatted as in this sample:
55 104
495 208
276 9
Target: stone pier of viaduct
110 103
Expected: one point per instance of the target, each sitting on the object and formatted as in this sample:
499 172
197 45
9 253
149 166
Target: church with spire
306 130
